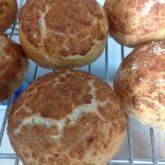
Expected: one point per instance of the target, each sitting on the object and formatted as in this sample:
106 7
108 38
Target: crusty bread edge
137 40
11 14
38 55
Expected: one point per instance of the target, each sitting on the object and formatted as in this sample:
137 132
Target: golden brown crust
13 65
62 34
140 84
8 13
132 23
73 117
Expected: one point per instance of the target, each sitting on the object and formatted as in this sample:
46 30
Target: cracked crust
133 23
8 13
13 66
73 117
140 84
63 34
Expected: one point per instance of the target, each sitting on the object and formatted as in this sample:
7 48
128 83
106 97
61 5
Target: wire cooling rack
142 145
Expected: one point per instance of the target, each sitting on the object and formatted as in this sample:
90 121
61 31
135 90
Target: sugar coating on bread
140 84
71 116
63 33
8 13
13 66
133 23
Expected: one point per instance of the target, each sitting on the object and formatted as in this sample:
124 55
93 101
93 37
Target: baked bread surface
134 22
63 33
13 66
8 13
67 117
140 84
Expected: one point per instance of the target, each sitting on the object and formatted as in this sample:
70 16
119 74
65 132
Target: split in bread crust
71 116
63 33
140 84
133 23
13 66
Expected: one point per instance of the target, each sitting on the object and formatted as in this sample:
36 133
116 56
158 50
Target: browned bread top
13 66
71 116
63 27
8 13
140 84
135 22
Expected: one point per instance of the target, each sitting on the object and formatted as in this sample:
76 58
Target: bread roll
134 22
8 13
140 84
67 118
62 34
13 66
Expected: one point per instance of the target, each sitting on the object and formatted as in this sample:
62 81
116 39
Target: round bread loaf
140 84
67 117
8 13
62 34
13 66
133 22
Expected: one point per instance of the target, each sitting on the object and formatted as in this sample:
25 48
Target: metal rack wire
139 141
